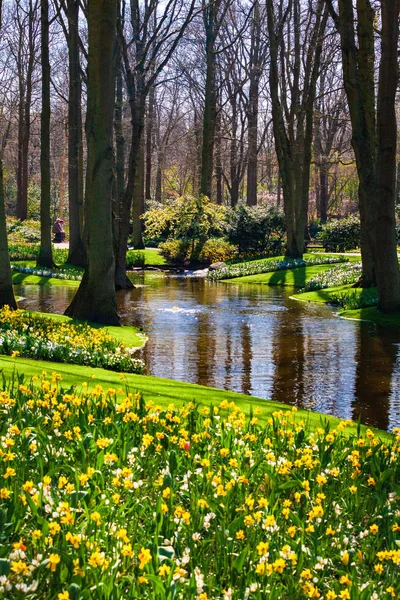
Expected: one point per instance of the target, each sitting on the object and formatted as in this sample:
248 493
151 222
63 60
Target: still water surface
255 340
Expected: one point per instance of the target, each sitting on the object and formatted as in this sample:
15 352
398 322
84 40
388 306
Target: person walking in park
58 230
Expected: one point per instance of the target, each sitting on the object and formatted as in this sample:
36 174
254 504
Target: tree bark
387 266
95 299
149 142
293 127
24 113
218 161
45 257
252 117
210 18
6 287
358 79
77 250
138 199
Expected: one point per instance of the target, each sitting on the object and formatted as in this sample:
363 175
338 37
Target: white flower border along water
268 266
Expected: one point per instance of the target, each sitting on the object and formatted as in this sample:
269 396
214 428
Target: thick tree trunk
218 161
25 75
233 154
119 141
358 79
22 172
95 299
323 193
387 266
137 113
210 109
159 173
45 257
77 251
6 287
149 142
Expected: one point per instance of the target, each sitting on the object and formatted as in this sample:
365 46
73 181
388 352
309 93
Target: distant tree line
107 105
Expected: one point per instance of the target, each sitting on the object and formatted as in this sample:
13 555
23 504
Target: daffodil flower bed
103 496
39 337
69 274
337 276
255 267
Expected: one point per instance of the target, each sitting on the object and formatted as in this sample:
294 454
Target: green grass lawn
289 277
321 296
26 279
161 391
152 257
371 314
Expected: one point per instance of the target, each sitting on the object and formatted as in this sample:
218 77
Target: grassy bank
162 391
290 277
150 257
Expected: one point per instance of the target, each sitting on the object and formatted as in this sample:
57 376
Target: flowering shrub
267 266
69 274
339 275
40 337
103 496
217 250
23 231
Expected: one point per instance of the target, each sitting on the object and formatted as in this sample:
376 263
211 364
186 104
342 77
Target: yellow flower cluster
105 492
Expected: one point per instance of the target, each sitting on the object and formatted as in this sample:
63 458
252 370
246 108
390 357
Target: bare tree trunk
24 113
252 117
209 123
77 251
218 161
45 257
387 266
6 287
293 127
119 140
138 199
95 299
358 78
149 142
211 27
233 154
323 193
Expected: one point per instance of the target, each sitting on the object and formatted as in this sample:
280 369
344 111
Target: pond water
253 339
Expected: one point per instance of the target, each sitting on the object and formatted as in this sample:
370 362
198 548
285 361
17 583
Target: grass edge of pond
165 391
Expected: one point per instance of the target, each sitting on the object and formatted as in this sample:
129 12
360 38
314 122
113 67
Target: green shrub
217 250
175 251
135 258
257 229
355 298
340 235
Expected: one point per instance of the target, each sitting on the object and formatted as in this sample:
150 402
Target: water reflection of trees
376 361
288 355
